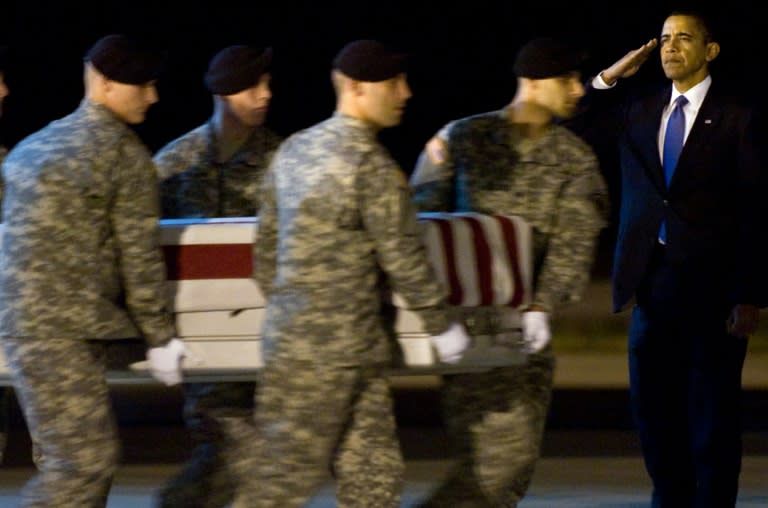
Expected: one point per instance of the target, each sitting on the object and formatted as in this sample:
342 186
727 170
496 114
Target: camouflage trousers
218 416
496 421
62 392
312 419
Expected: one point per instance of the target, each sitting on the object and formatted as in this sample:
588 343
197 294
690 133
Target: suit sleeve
751 273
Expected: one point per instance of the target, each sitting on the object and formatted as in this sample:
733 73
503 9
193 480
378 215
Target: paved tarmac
590 455
591 458
595 481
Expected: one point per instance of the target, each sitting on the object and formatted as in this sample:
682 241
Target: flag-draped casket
483 260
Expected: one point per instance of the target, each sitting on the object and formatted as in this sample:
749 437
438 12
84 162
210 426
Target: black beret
126 60
236 68
544 57
369 60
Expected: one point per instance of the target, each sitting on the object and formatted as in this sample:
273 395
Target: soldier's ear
107 85
357 87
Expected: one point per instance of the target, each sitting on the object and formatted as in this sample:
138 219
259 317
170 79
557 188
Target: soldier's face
383 103
250 106
560 94
131 102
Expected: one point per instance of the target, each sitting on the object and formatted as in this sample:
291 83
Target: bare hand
629 64
743 320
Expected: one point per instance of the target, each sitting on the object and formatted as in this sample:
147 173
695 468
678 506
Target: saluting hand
629 64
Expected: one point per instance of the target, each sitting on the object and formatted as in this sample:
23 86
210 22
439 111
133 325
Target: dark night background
461 54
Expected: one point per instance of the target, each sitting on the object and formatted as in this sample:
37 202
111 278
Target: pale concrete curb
609 370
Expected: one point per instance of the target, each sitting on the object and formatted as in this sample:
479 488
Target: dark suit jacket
713 207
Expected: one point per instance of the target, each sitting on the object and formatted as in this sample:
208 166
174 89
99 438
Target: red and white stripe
480 259
209 264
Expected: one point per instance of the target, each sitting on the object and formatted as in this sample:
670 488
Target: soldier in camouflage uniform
216 170
516 161
4 91
5 393
81 264
336 215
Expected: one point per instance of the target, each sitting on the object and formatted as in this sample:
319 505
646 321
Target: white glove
165 361
536 333
451 344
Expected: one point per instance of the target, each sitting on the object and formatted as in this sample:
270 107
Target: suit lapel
646 136
699 137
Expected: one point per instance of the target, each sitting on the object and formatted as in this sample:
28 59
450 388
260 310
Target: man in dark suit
687 252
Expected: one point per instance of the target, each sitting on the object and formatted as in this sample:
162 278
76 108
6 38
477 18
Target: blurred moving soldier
516 161
81 266
5 393
336 215
216 170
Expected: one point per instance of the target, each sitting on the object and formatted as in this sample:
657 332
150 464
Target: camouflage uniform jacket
80 254
193 184
3 154
554 183
337 213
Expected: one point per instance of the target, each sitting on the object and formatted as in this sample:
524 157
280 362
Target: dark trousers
685 384
218 416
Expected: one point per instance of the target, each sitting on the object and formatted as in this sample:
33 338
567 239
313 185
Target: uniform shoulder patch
400 177
436 150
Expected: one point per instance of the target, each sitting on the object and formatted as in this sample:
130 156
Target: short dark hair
702 19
